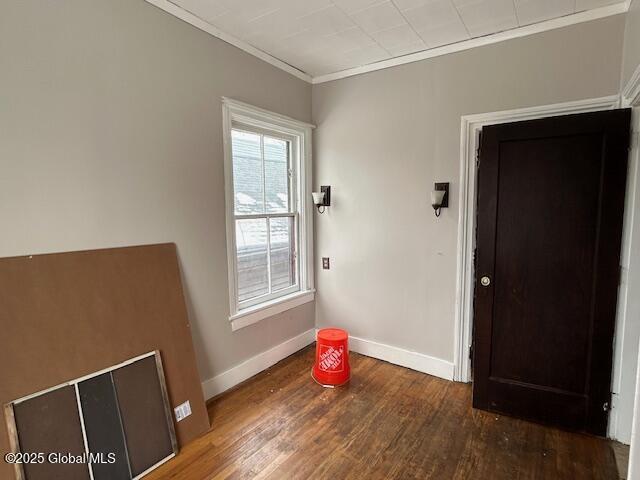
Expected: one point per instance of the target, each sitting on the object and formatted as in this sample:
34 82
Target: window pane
247 172
276 169
251 245
282 261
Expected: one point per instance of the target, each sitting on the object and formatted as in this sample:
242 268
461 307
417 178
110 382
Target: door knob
485 281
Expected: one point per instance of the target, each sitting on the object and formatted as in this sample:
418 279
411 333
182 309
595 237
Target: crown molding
631 91
197 22
518 32
575 18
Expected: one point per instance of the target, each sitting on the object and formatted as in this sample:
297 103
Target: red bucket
332 357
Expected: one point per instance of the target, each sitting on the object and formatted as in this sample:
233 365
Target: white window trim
234 111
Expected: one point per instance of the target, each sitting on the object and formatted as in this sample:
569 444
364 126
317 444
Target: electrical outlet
325 263
182 411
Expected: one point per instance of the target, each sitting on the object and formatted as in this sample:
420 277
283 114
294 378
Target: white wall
385 137
631 56
111 135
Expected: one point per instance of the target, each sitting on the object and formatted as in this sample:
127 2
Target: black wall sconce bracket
326 189
443 186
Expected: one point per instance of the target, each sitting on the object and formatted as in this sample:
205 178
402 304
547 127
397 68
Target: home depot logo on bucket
331 358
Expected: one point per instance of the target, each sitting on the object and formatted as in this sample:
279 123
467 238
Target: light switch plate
325 263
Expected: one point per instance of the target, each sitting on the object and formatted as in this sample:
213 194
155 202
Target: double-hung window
267 164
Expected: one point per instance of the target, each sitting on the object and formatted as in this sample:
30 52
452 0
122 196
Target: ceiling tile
396 37
407 49
366 55
302 42
278 24
532 11
251 9
346 40
443 35
352 6
482 17
589 4
437 22
307 41
326 21
205 9
265 42
334 52
319 63
330 60
379 17
300 8
233 23
322 68
409 4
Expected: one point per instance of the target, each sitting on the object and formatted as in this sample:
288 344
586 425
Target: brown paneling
70 314
143 414
50 424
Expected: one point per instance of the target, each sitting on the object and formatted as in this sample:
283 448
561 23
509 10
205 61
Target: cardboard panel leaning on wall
67 315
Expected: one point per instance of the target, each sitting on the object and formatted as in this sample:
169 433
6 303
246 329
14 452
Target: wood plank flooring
388 422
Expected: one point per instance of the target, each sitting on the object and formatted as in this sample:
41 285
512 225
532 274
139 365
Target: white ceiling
320 37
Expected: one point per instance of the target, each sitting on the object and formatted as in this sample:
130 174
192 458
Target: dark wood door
549 222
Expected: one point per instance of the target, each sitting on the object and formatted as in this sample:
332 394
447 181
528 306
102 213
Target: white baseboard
405 358
398 356
247 369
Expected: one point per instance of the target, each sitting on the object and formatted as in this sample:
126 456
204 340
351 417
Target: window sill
251 315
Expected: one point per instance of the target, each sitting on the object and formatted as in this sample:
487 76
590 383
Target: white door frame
628 322
471 125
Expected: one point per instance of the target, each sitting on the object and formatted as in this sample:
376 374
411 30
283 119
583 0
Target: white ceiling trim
518 32
197 22
631 91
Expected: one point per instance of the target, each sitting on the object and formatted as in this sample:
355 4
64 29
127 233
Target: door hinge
471 352
606 407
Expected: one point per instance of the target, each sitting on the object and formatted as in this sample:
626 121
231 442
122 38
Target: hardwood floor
388 422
